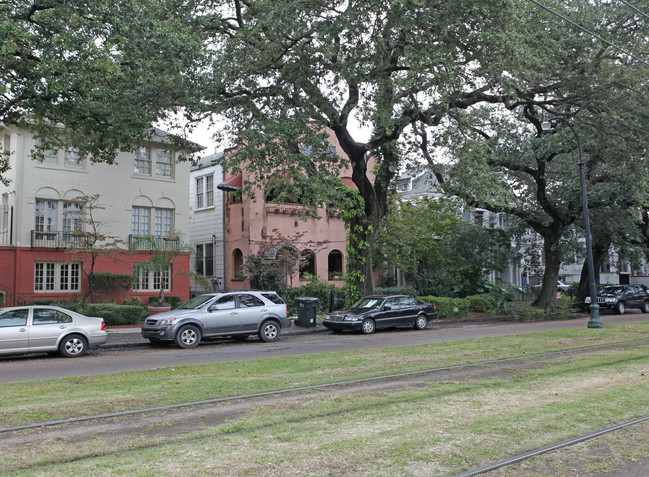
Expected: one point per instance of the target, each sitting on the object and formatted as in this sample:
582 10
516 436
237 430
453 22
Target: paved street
126 350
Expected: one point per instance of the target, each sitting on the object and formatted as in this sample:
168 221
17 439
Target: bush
170 300
116 315
483 303
448 307
315 288
395 291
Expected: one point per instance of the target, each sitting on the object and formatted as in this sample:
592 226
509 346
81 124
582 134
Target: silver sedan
32 329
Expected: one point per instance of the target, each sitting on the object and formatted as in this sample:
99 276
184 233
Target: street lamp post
595 321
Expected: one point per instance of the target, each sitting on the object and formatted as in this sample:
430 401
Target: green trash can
307 307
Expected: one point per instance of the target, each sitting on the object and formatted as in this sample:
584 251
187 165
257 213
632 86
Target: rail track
388 380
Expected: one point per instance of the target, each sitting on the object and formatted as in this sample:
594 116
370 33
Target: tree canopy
106 70
396 82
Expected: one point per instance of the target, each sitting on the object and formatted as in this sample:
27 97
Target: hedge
448 307
484 303
116 315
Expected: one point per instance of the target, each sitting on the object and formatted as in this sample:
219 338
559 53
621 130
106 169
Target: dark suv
621 297
237 314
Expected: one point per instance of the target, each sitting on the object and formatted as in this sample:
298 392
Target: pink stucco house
256 226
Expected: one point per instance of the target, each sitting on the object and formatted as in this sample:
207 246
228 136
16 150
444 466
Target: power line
634 8
590 32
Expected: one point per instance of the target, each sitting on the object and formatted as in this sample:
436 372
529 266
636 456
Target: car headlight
587 299
350 317
610 300
167 321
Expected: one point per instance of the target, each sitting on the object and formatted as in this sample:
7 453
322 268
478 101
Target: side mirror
387 308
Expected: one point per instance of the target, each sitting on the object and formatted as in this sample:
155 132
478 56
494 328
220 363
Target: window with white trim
57 276
140 221
45 219
72 158
72 221
142 226
147 279
142 161
164 163
205 191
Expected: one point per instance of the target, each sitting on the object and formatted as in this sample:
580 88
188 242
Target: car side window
392 303
50 317
14 318
249 301
226 302
273 297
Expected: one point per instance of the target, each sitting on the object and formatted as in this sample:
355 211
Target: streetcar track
543 450
311 387
370 384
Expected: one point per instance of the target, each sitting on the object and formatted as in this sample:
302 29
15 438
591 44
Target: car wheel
619 308
368 326
188 337
645 307
421 322
269 331
73 346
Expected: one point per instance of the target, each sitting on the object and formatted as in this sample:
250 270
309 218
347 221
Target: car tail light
103 325
434 307
287 310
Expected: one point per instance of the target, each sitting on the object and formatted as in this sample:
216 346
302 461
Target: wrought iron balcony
40 239
152 242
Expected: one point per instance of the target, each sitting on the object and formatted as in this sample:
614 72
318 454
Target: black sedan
381 311
621 297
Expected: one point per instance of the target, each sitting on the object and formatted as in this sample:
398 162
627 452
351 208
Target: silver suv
238 314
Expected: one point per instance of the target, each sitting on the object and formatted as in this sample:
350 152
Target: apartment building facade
140 199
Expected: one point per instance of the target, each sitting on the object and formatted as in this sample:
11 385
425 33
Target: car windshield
196 303
368 303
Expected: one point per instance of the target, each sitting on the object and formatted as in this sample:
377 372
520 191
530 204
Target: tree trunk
547 299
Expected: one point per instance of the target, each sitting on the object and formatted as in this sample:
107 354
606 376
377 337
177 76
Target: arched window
237 260
335 265
307 264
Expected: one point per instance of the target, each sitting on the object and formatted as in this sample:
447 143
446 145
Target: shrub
448 307
315 288
115 315
395 291
485 303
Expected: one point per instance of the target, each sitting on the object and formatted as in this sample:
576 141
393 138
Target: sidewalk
131 336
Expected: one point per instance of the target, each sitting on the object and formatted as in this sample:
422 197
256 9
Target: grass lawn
439 426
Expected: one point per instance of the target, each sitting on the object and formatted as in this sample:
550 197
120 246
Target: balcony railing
149 242
56 240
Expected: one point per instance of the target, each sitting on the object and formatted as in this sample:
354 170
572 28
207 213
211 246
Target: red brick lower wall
17 274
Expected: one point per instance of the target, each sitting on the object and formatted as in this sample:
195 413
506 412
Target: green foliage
116 315
315 288
3 295
483 303
89 66
263 274
169 300
438 252
448 307
395 291
107 281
